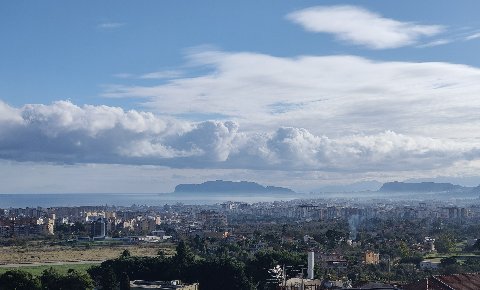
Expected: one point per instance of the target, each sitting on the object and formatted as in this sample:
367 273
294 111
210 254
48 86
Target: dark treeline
50 279
212 273
225 271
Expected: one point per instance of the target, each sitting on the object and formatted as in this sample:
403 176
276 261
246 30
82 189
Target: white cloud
473 36
333 95
110 25
299 149
64 117
168 74
437 42
9 114
65 133
362 27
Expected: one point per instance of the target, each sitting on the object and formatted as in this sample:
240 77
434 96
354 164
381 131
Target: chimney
311 264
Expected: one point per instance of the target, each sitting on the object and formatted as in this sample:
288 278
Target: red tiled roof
470 281
467 281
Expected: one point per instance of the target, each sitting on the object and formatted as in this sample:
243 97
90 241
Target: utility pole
303 287
389 275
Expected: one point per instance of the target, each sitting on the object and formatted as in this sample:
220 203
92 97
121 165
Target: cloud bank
332 95
66 133
359 26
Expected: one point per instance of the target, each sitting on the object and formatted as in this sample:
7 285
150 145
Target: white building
429 265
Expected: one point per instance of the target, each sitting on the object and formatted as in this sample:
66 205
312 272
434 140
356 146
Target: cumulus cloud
299 149
66 133
362 27
330 95
9 114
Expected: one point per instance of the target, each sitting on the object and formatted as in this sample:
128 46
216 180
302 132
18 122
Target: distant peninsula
421 187
221 186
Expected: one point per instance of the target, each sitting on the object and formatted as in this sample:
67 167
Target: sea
21 200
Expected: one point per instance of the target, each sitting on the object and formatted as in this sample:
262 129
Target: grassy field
88 252
459 255
38 270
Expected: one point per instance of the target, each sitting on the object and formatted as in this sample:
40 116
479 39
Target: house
466 281
332 261
372 258
429 265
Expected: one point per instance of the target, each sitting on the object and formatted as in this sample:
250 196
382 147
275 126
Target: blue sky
59 50
296 93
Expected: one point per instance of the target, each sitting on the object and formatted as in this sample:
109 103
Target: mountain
221 186
372 185
469 181
422 187
476 190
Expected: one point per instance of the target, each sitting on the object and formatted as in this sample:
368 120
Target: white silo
311 264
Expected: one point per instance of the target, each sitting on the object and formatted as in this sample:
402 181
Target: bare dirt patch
44 253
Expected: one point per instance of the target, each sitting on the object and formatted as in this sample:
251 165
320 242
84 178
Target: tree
124 282
18 280
183 262
125 254
404 250
476 246
73 280
184 255
161 254
448 261
228 273
445 244
104 275
109 281
199 244
50 279
472 264
76 281
333 236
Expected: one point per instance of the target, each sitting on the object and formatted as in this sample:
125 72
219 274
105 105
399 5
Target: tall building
98 228
372 258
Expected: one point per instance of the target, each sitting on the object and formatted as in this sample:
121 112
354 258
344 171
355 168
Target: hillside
421 187
221 186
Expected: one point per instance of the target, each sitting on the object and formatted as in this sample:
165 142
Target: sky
129 96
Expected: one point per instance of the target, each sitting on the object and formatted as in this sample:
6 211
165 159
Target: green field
38 270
